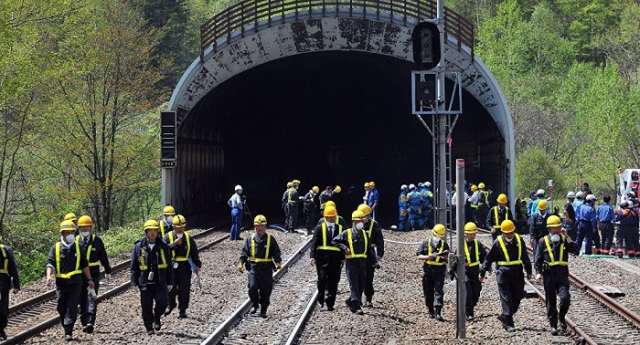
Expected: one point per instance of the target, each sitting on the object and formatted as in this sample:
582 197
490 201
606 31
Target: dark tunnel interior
324 118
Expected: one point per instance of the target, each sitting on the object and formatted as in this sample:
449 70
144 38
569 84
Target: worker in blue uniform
236 204
403 208
586 218
415 208
373 198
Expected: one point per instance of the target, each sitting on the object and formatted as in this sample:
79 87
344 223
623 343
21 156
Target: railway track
617 325
31 317
294 283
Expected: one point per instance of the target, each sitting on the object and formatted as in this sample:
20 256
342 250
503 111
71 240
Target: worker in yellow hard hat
93 245
354 243
433 252
166 222
474 205
509 252
311 208
376 250
259 254
8 278
538 223
291 201
484 202
340 219
152 274
72 217
552 266
66 265
327 258
474 254
498 214
329 194
373 196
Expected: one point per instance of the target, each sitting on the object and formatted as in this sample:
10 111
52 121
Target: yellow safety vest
162 229
181 258
5 262
289 194
77 269
496 217
437 261
555 262
370 231
325 241
476 262
508 261
485 197
143 265
89 249
266 258
353 255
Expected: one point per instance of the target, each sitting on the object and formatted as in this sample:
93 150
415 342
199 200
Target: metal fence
254 14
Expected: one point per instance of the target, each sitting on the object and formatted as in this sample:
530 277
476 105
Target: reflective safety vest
289 196
89 249
437 261
553 261
5 261
475 262
162 228
496 216
325 241
508 261
370 230
484 198
77 269
267 257
354 255
180 258
143 265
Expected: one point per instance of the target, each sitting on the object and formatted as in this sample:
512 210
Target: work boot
68 337
359 311
505 321
321 303
169 310
253 310
470 317
150 331
88 328
432 315
369 304
156 326
510 329
439 314
329 307
563 325
263 311
183 315
554 331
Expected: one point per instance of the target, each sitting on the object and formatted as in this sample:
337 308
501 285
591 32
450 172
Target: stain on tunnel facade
326 101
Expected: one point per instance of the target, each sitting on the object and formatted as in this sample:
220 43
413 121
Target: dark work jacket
472 272
358 239
180 250
374 231
67 263
424 250
504 273
317 241
538 226
491 222
542 259
261 248
98 252
339 220
152 258
628 220
12 275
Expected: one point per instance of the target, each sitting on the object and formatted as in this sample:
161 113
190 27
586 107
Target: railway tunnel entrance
304 100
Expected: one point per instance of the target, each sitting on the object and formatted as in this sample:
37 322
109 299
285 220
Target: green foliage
534 168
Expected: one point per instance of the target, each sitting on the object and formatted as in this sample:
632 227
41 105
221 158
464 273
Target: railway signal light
168 139
426 45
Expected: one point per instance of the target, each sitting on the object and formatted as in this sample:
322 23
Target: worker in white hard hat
236 203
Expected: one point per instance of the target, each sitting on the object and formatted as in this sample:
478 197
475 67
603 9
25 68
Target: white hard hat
580 195
571 195
540 192
412 186
428 184
238 187
591 197
404 186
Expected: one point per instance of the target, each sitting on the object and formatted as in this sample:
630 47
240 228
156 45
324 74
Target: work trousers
88 304
329 268
292 216
311 217
474 287
357 275
260 286
68 296
628 239
181 286
606 235
236 223
371 271
597 243
5 286
585 233
511 290
432 287
151 313
556 289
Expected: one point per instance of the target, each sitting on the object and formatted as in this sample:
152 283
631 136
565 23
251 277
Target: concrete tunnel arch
206 167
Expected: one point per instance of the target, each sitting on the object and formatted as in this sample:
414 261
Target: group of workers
415 205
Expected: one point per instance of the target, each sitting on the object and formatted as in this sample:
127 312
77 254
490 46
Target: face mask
69 238
555 238
508 239
331 223
85 234
435 241
180 236
359 226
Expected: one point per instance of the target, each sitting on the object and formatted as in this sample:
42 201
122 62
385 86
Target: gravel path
223 289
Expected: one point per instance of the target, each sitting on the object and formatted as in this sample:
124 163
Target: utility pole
460 274
441 120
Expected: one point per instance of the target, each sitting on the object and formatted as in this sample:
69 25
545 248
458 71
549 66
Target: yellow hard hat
338 189
316 189
151 224
179 221
260 220
481 185
296 182
542 204
357 215
507 226
474 188
70 216
470 228
169 210
439 230
364 208
554 222
502 199
289 184
372 184
330 211
330 203
67 225
85 221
